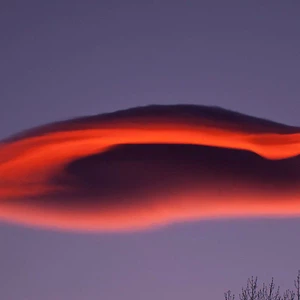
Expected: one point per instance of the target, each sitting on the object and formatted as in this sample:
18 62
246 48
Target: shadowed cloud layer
150 166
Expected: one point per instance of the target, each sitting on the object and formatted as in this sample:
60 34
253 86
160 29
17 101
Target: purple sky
61 59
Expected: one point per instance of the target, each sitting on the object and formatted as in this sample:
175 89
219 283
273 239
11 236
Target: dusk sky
65 59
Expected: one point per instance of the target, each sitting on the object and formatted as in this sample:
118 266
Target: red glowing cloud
149 166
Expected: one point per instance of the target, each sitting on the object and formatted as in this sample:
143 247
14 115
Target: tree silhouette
252 291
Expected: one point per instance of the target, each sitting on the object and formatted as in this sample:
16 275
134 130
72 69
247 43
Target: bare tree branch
266 292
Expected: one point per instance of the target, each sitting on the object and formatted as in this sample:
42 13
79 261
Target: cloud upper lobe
149 166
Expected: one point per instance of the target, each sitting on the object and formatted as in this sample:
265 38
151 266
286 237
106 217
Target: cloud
149 166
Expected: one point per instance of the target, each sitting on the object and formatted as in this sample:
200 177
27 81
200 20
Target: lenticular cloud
149 166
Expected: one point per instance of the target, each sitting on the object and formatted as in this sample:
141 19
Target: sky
63 59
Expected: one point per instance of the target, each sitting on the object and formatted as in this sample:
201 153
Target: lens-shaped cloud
149 166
